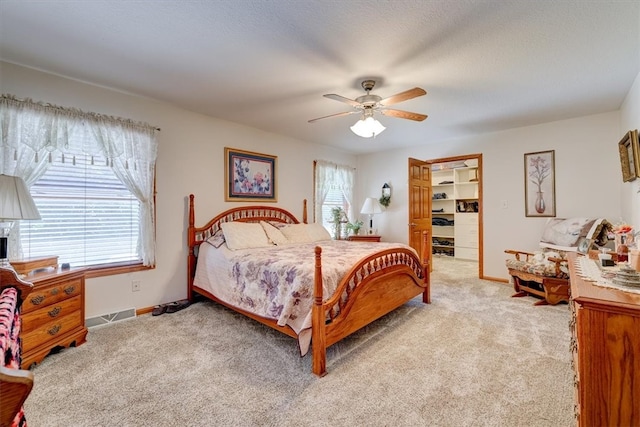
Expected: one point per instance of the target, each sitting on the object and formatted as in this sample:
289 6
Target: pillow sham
274 234
317 232
296 233
216 240
244 235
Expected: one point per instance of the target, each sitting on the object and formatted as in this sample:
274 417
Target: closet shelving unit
455 217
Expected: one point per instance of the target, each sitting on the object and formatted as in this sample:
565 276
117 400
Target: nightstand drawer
37 318
52 314
50 295
51 331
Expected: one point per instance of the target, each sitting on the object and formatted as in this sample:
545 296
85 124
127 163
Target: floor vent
107 319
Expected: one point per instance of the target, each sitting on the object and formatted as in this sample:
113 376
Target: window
89 217
334 185
92 178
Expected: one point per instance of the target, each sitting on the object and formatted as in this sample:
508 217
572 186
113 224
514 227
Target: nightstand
52 314
364 238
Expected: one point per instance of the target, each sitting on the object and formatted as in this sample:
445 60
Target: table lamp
371 207
15 204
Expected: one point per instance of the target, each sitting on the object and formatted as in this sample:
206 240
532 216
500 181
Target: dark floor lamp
16 203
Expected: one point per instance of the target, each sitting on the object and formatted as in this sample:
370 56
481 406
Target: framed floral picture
249 176
629 156
540 184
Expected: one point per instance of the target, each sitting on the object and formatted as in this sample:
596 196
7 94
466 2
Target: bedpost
426 266
191 238
318 333
304 211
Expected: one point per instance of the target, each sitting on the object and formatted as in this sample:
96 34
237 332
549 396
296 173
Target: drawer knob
37 300
55 291
69 290
54 330
55 312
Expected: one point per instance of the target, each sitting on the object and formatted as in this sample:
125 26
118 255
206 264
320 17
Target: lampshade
367 127
15 200
371 207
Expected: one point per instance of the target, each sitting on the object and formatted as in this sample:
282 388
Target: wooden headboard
197 235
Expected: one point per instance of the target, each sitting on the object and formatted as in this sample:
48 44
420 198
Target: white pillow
244 235
296 233
274 234
317 232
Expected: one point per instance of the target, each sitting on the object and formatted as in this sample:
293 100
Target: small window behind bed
334 185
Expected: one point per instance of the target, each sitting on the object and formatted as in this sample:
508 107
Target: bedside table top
364 238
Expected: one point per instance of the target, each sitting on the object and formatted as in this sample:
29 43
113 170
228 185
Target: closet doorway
456 209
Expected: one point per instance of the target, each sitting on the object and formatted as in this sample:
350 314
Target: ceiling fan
368 104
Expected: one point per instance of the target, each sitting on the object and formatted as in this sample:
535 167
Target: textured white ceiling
486 65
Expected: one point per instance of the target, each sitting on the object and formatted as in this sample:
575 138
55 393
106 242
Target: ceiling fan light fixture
367 127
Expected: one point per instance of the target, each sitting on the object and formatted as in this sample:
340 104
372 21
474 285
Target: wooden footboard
374 287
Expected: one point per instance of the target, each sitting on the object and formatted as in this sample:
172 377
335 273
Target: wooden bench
553 289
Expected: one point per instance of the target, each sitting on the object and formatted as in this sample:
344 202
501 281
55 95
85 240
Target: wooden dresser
52 314
605 342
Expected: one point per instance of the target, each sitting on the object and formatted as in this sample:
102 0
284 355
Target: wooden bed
375 286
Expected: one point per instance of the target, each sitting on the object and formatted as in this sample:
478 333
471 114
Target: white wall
190 160
629 120
587 171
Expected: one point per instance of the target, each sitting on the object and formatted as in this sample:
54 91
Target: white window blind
89 217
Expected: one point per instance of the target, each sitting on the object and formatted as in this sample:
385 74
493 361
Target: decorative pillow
566 232
600 231
277 224
297 233
244 235
274 234
216 240
317 232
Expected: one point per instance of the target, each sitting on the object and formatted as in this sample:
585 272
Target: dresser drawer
466 219
37 318
51 294
51 330
466 235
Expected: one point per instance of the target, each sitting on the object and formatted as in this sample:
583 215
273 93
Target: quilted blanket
276 282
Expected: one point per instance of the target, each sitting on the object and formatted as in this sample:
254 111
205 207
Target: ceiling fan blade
403 96
404 115
342 99
346 113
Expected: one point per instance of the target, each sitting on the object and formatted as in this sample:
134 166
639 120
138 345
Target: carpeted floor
474 357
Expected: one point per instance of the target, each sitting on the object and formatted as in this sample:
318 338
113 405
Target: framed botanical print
540 184
629 156
249 176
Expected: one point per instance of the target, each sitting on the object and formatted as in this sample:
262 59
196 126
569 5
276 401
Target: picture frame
540 184
629 156
249 176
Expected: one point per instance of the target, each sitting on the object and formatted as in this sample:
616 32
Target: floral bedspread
277 282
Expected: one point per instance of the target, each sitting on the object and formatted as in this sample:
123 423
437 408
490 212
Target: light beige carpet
474 357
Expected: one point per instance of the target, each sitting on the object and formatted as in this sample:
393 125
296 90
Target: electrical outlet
135 285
